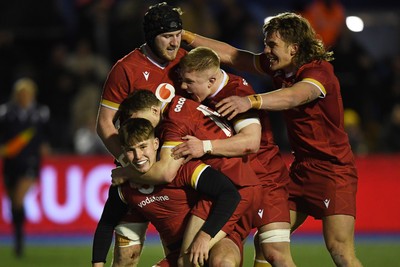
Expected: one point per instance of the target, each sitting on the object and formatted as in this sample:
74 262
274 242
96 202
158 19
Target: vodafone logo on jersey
149 200
165 92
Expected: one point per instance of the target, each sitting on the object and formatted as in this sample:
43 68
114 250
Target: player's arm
108 133
163 171
220 188
113 211
106 130
282 99
246 141
232 56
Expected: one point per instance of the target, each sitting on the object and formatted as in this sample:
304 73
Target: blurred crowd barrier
69 197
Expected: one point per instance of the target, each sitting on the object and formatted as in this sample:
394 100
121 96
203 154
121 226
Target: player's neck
148 52
220 82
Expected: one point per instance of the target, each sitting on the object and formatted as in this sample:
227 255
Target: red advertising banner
71 191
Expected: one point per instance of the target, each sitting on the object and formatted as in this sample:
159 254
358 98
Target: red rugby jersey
167 206
137 70
315 129
184 117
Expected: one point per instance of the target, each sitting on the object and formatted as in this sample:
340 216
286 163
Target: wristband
188 37
207 147
121 160
255 101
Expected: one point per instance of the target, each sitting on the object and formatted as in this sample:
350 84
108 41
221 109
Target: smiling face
279 52
143 154
139 143
166 45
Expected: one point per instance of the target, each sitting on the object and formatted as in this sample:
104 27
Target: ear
211 81
156 143
155 110
293 49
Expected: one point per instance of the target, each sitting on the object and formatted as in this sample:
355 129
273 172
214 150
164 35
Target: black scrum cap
161 18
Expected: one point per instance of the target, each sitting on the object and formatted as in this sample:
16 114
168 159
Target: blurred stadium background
68 47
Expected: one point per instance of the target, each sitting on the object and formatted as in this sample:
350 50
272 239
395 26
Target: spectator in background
352 126
390 134
60 86
125 14
83 122
327 17
356 70
86 65
199 17
232 16
22 144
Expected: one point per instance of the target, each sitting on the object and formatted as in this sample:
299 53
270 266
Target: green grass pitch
308 254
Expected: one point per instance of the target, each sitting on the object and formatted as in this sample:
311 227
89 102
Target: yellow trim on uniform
316 83
109 104
170 144
196 174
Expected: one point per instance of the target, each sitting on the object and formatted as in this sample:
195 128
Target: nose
184 86
137 154
267 49
175 40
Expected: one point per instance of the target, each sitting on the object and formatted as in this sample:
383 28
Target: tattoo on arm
313 95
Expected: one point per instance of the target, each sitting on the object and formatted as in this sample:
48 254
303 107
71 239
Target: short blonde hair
200 59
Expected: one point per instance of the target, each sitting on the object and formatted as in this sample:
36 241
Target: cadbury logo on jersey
179 105
165 92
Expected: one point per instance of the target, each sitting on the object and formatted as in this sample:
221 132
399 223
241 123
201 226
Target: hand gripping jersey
235 85
183 116
267 163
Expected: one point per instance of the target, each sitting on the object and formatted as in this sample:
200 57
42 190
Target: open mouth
139 164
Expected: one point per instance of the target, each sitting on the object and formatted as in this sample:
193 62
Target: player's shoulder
317 69
135 57
237 85
319 65
179 100
181 105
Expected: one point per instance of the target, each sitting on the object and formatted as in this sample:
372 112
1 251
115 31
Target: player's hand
232 106
199 249
192 148
119 175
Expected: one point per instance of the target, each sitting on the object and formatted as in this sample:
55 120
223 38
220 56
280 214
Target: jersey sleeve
116 87
190 172
317 75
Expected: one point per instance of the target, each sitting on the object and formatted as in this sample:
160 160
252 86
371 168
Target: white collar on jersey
222 84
